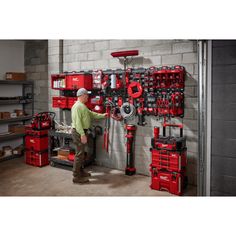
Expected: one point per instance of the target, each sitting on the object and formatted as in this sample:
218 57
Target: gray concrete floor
19 179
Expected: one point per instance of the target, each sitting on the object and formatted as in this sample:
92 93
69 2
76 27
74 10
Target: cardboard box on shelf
19 112
15 76
63 154
6 115
16 128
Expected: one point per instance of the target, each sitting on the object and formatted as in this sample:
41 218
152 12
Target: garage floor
19 179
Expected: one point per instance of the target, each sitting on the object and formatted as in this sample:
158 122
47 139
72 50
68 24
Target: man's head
82 95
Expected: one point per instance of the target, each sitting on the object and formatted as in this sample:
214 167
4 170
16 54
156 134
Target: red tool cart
169 161
36 139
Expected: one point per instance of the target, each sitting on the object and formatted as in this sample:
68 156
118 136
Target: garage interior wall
11 60
75 55
223 151
36 68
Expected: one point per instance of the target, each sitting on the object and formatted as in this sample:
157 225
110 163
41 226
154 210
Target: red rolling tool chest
35 158
169 161
172 182
36 139
173 161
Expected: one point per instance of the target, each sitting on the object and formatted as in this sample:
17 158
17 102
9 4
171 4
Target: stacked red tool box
36 139
169 161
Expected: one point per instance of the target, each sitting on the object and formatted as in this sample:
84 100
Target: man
81 122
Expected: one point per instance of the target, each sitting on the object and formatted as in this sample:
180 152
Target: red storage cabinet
59 102
36 143
71 101
32 132
79 80
173 161
168 181
36 158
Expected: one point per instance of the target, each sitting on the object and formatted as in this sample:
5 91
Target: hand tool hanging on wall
130 150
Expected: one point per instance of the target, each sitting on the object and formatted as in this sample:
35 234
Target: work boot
84 173
79 180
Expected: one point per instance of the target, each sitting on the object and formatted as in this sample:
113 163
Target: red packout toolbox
32 132
173 161
79 80
36 158
170 143
71 101
59 102
36 143
168 181
177 77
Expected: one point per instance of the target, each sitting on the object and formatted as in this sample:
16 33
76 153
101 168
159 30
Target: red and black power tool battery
130 150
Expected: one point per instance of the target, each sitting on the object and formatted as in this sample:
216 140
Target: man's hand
106 114
83 139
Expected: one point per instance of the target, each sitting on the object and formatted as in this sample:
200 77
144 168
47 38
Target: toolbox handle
172 125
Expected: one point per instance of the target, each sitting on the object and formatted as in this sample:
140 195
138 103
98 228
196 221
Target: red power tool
130 154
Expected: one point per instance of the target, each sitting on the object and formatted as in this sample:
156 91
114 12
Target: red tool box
59 102
36 158
79 80
172 182
71 101
36 143
32 132
169 143
173 161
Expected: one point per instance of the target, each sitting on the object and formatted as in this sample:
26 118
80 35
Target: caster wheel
52 164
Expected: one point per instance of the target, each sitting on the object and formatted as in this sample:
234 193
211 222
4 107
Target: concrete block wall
95 54
36 68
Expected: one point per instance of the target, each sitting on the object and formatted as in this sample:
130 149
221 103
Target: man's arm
96 115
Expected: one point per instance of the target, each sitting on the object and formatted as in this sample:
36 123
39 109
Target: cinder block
133 43
195 69
190 58
189 92
117 44
182 47
191 80
53 68
94 55
87 47
69 58
115 64
30 68
81 56
188 113
191 102
73 66
41 68
54 59
101 46
163 49
190 125
54 43
87 65
155 60
189 68
172 59
44 75
146 43
35 61
53 50
34 76
101 64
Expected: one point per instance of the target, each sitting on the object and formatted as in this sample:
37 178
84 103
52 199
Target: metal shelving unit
27 86
9 158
